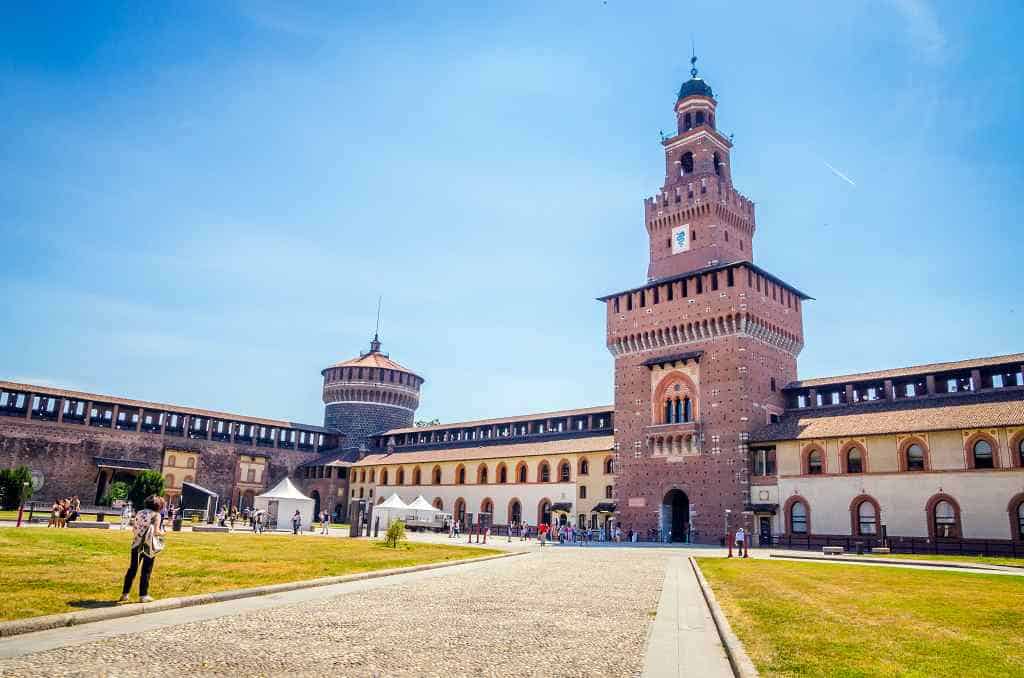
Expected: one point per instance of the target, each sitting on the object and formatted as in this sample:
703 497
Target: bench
832 550
89 525
881 549
210 528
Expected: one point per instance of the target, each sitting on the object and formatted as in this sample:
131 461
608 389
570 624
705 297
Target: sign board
38 480
681 239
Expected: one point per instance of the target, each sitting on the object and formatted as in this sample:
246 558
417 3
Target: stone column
849 393
887 387
28 405
60 409
209 428
232 427
813 397
113 421
88 412
164 416
976 380
186 421
930 384
138 424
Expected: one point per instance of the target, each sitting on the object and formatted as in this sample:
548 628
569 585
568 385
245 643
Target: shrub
117 490
396 533
13 490
145 484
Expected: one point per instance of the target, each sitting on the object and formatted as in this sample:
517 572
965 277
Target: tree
145 484
15 486
117 490
396 533
424 422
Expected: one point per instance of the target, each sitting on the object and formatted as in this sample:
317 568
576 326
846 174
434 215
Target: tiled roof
1017 358
1002 407
552 449
502 420
373 359
176 409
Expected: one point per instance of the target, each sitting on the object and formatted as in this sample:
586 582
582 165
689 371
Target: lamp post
728 540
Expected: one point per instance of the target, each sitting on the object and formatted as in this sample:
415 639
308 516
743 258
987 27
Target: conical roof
284 490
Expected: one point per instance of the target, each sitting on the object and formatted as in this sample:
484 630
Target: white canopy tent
393 508
281 503
422 508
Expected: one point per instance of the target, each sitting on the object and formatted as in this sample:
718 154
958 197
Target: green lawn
976 560
816 619
43 571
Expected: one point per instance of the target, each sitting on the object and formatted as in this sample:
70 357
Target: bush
13 490
117 490
396 533
145 484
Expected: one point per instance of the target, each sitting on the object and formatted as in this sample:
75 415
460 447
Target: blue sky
200 203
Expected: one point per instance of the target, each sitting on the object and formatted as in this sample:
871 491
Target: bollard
469 535
746 545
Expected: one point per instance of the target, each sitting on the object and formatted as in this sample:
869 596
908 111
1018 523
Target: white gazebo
282 502
421 507
394 507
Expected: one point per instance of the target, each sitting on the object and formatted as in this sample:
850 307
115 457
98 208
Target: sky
200 203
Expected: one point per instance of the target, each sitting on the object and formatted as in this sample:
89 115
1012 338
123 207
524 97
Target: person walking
740 538
147 542
325 521
126 515
296 522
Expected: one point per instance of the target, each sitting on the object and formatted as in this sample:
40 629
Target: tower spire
375 344
693 58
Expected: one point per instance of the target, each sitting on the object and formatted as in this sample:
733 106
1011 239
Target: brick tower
703 349
369 395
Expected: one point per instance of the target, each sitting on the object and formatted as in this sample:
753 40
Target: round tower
368 395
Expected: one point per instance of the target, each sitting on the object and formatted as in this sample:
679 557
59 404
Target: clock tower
703 348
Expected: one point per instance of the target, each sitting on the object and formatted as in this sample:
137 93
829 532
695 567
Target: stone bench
210 528
881 549
89 525
832 550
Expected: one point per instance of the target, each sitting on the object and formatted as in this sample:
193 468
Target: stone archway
675 516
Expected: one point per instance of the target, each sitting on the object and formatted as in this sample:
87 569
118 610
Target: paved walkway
684 640
551 612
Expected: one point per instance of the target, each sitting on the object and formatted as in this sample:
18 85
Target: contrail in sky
840 175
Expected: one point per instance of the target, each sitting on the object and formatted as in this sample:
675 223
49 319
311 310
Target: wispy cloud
840 174
47 381
926 34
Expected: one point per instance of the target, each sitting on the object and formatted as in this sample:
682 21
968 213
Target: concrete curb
980 567
741 665
53 621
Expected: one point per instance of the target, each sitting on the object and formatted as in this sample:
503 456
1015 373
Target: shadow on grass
92 604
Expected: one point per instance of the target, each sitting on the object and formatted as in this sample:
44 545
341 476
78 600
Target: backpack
151 543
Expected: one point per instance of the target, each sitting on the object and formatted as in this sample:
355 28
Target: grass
816 619
44 571
967 560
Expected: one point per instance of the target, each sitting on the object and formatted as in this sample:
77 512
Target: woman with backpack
147 542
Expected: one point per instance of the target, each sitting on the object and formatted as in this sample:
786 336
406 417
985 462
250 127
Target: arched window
687 409
915 457
798 518
946 520
384 476
563 472
521 473
584 467
855 460
373 475
481 474
867 519
460 475
502 474
814 462
583 491
699 118
400 477
607 491
250 476
687 121
718 164
436 475
487 506
438 503
362 476
544 512
687 162
417 476
191 463
169 479
460 510
544 473
188 479
172 460
982 451
608 466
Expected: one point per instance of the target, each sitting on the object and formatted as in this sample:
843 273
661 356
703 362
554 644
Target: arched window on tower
687 122
718 164
687 162
687 409
700 118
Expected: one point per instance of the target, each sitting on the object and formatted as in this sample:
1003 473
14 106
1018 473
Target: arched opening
544 511
481 474
687 162
400 477
502 473
699 118
544 472
315 496
718 164
437 475
584 467
460 511
515 512
438 503
563 472
339 513
687 121
675 516
248 498
460 475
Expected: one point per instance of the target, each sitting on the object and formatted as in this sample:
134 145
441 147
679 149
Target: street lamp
728 541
